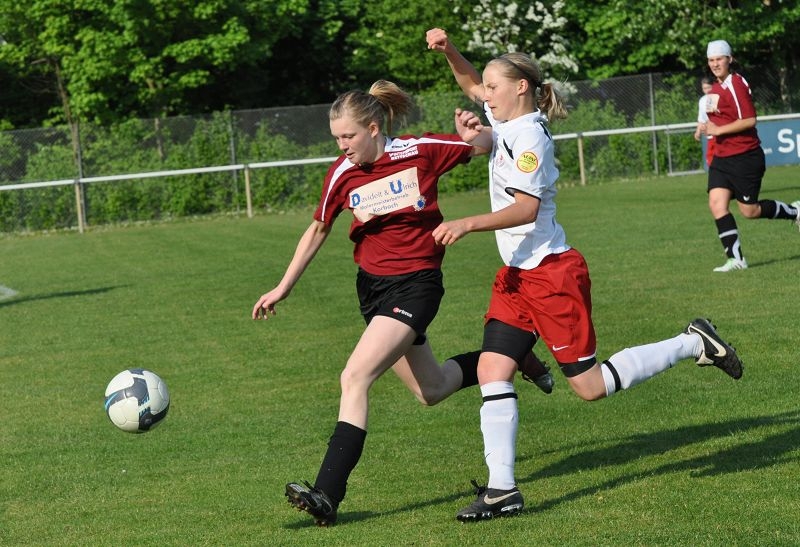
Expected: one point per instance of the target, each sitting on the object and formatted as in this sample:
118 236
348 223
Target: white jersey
523 159
702 110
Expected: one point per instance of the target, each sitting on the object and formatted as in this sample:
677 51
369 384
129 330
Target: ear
373 129
522 87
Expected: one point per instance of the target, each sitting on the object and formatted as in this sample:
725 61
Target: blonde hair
515 65
383 104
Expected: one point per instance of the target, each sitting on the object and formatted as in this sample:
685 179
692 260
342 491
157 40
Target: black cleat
535 371
716 351
313 501
491 503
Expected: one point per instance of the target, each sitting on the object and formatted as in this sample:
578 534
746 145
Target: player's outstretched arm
467 77
525 209
471 130
310 242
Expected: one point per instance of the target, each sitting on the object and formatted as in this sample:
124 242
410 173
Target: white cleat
732 264
796 205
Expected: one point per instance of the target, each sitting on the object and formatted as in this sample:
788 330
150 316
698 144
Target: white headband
719 48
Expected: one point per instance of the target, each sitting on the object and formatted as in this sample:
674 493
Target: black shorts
741 174
412 298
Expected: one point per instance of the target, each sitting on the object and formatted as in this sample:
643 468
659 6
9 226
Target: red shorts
554 300
709 151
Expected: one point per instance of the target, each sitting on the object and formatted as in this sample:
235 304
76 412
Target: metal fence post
580 159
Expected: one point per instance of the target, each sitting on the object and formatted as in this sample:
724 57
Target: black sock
344 451
469 368
777 209
729 236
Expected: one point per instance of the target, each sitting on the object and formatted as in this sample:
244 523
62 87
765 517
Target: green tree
532 27
111 60
616 37
390 43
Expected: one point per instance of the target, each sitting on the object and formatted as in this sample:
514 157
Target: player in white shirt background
706 84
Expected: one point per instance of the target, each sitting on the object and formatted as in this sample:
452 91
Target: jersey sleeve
741 90
446 151
530 152
332 201
702 114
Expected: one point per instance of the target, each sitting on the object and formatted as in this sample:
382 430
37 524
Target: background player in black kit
738 166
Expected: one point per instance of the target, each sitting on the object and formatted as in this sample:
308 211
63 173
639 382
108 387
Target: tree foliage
616 37
110 60
536 28
389 43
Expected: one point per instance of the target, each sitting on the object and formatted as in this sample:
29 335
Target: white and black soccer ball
136 400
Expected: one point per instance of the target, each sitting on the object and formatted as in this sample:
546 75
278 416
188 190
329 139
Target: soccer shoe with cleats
796 205
313 501
731 265
716 351
491 503
535 371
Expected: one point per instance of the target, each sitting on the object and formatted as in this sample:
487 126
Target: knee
751 212
352 380
590 394
718 208
589 385
429 397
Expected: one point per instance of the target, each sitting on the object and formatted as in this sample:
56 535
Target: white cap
719 48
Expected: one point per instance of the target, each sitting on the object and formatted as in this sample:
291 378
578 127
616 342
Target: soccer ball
136 400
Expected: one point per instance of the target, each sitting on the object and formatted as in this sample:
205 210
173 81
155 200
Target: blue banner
780 140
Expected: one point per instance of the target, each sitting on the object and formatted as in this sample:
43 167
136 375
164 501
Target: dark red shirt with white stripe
394 202
733 102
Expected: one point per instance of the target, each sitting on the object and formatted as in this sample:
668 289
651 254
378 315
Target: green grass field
688 458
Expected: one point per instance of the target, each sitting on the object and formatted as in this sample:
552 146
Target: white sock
635 365
499 420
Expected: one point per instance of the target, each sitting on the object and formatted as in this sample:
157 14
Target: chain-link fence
291 133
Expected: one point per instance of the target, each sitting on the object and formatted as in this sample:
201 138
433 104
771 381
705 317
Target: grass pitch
688 458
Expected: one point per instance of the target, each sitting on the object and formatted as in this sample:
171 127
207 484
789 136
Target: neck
380 145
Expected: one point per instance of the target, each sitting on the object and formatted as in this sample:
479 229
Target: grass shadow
767 452
21 299
773 261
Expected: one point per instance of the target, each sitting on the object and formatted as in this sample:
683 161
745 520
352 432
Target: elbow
527 217
478 150
532 214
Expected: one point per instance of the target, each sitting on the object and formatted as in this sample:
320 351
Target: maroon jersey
394 202
730 101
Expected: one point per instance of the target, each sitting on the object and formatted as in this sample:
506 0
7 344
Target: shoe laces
323 497
533 379
478 488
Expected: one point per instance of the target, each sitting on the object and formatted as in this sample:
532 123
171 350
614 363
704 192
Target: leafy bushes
141 146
